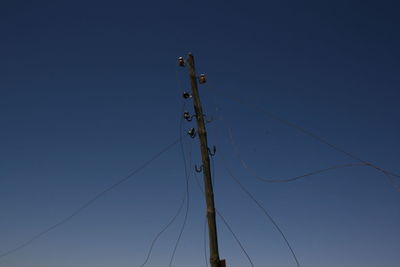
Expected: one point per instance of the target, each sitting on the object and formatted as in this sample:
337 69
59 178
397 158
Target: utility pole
208 187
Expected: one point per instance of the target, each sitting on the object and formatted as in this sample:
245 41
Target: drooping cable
260 206
227 226
170 222
164 229
219 214
314 136
235 237
89 202
187 176
205 217
250 195
270 180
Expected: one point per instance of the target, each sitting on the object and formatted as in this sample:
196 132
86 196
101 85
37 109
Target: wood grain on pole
209 193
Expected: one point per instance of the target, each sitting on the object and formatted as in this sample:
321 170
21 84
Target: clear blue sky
89 90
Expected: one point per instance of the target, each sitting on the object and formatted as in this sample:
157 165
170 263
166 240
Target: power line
250 195
185 193
269 180
236 238
227 226
187 176
180 232
314 136
308 174
164 229
89 202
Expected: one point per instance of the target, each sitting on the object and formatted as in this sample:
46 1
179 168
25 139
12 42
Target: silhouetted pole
208 187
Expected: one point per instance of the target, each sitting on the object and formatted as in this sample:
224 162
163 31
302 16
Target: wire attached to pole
260 206
292 179
164 229
390 175
250 195
187 177
228 227
89 202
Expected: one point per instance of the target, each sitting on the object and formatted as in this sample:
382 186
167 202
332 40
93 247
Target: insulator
181 62
192 132
186 95
202 78
186 116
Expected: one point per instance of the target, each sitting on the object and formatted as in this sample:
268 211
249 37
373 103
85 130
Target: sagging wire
227 226
89 202
360 162
163 230
270 180
235 237
250 195
187 176
390 175
260 206
205 219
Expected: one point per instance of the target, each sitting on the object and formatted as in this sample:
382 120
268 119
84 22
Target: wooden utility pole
208 187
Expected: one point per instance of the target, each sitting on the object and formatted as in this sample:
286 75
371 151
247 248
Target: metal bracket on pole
198 169
212 154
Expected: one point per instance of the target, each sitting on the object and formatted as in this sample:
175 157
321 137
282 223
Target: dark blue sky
89 90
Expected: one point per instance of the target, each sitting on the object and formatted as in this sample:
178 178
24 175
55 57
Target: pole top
190 55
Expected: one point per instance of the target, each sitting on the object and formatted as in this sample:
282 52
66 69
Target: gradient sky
89 90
